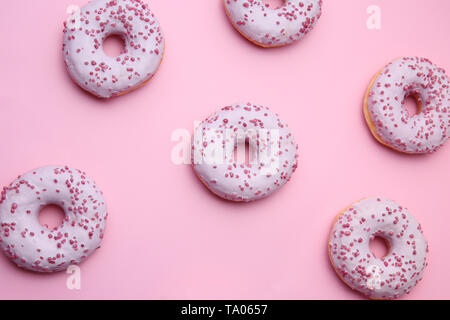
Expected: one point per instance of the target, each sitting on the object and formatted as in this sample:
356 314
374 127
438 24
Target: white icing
273 27
91 68
274 150
388 277
421 133
34 247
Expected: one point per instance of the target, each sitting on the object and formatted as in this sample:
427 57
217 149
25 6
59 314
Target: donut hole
114 45
274 4
51 216
412 105
379 246
244 152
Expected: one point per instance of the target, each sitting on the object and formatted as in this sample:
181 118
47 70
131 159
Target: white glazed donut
91 68
391 124
269 27
378 278
273 148
34 247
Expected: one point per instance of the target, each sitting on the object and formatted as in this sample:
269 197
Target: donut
37 248
268 27
388 277
91 68
391 124
271 143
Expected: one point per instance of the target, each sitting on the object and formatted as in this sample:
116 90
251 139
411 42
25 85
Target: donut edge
217 194
148 80
370 124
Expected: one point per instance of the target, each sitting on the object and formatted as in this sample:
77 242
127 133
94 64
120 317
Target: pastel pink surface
167 236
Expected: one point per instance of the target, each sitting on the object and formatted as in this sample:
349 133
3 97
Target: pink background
167 236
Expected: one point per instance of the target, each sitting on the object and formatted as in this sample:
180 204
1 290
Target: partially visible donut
91 68
34 247
391 124
268 27
273 148
388 277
